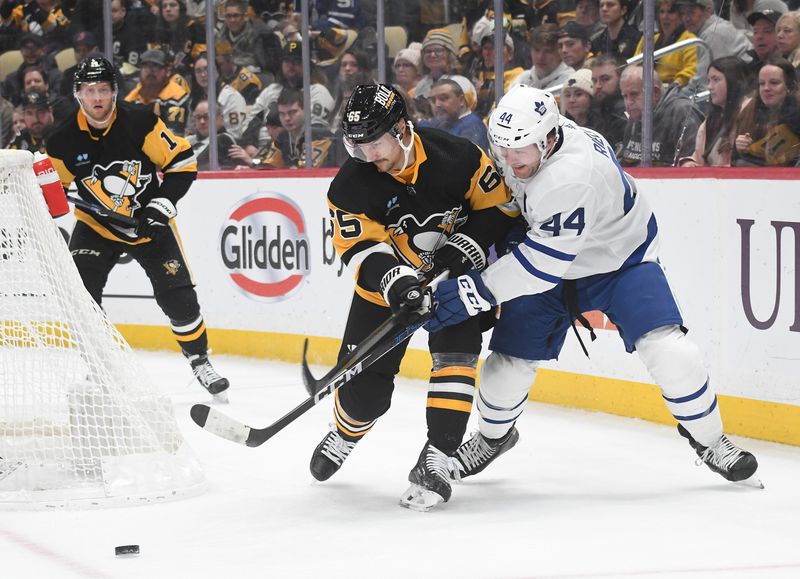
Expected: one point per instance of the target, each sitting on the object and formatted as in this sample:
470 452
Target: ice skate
430 480
329 455
726 459
209 378
478 452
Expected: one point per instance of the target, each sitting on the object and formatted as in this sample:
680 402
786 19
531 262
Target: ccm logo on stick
264 246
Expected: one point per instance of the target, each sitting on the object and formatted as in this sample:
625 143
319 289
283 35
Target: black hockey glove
460 254
155 218
402 291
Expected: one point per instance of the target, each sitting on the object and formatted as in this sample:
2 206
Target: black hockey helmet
371 111
94 69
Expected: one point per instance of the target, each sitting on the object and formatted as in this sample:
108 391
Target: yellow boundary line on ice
746 417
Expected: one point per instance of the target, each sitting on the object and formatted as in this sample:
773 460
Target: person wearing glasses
254 45
200 140
439 60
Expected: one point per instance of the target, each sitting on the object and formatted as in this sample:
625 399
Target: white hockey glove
460 254
458 299
155 218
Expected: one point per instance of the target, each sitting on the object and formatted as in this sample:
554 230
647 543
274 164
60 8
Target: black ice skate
208 377
478 452
329 455
726 459
430 480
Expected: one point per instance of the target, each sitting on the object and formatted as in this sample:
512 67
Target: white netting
80 423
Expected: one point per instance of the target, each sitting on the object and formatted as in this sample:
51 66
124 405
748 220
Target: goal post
81 424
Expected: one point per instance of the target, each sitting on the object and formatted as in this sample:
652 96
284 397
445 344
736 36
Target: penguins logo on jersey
118 186
416 242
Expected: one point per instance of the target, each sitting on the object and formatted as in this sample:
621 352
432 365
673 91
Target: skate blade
220 398
420 499
752 482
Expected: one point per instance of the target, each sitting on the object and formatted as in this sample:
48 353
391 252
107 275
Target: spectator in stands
34 78
156 90
290 76
178 35
680 66
484 79
619 37
675 120
453 115
727 86
288 150
608 106
200 140
240 78
45 18
345 89
548 69
587 15
38 122
254 45
339 14
741 10
8 129
576 99
230 104
129 41
351 63
765 42
574 45
768 129
438 61
406 66
32 48
787 37
719 34
83 43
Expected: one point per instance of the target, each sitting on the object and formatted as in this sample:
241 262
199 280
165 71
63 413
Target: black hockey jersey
116 168
451 186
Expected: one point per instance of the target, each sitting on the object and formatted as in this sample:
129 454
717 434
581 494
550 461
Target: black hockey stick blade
103 212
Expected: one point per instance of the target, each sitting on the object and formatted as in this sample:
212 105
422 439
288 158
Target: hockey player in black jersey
112 154
407 202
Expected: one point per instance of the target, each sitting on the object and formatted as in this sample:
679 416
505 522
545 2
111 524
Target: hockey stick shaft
386 337
112 216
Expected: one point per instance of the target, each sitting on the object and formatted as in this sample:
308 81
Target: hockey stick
112 216
391 333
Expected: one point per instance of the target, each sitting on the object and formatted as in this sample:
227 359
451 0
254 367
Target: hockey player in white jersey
592 244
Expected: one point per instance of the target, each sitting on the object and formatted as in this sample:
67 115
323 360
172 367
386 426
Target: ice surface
582 495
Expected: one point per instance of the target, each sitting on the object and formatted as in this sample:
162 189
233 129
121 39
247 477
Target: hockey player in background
112 154
407 202
592 244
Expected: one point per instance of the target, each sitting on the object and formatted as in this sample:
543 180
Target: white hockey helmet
524 116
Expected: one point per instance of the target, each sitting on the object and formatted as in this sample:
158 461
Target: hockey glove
458 299
460 254
155 218
402 291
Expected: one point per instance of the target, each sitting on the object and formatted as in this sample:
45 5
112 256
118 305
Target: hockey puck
126 550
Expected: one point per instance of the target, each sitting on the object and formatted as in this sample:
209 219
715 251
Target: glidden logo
265 247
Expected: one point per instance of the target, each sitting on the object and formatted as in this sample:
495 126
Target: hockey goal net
80 424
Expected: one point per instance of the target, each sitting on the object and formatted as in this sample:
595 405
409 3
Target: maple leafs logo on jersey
118 185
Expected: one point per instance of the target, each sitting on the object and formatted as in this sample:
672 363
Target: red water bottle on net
50 183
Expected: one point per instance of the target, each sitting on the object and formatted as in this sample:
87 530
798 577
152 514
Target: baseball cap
30 38
701 3
771 15
84 38
293 50
155 56
35 98
574 30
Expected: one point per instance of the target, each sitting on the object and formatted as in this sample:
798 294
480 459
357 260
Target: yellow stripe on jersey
193 336
63 173
466 371
410 173
162 146
488 189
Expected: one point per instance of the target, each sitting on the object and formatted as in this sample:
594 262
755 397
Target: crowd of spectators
729 99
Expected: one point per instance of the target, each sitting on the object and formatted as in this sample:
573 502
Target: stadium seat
396 39
65 58
9 62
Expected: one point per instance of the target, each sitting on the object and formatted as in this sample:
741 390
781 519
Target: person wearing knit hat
438 61
406 66
577 96
484 77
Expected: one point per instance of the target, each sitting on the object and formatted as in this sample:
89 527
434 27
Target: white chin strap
406 149
103 123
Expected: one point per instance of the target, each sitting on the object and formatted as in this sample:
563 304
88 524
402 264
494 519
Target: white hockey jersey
584 215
